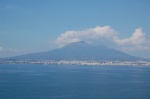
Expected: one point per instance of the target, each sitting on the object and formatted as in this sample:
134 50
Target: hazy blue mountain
79 51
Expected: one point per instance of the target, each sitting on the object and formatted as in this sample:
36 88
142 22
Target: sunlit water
74 82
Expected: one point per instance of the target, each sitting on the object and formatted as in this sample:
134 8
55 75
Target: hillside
79 51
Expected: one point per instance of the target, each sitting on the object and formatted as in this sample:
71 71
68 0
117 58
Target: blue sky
28 26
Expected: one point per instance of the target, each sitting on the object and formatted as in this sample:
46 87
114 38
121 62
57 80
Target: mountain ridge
79 51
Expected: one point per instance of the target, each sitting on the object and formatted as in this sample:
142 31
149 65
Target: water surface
74 82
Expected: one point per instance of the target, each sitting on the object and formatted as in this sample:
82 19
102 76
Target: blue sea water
74 82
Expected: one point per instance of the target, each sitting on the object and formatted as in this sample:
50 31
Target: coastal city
77 62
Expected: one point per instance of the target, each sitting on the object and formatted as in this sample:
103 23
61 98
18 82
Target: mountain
79 51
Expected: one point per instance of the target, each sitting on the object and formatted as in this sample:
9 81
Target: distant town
78 53
76 62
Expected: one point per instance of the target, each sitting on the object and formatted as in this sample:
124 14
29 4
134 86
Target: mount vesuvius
80 51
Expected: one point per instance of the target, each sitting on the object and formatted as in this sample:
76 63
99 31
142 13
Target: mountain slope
79 51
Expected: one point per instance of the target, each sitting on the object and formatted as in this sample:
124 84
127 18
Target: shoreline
76 62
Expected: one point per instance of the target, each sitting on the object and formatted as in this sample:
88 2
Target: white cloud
5 52
89 35
1 49
8 50
136 42
106 35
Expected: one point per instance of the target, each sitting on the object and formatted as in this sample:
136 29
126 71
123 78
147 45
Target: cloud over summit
105 35
89 35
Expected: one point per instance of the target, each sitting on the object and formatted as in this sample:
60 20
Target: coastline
78 62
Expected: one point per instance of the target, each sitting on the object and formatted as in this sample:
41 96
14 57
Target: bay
20 81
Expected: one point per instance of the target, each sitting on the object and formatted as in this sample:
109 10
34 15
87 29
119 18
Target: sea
34 81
